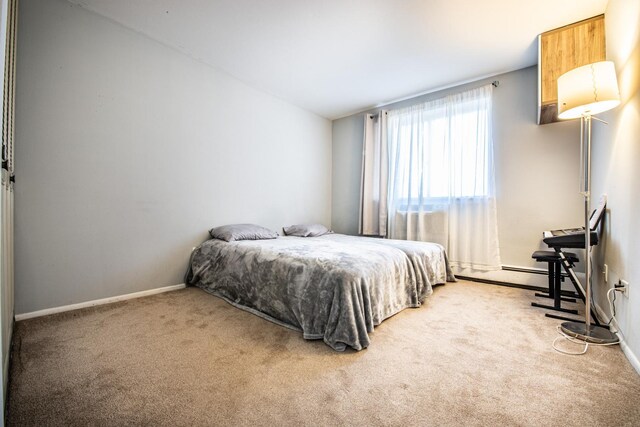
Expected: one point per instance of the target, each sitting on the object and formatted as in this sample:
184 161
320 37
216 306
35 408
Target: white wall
127 152
537 171
616 171
348 135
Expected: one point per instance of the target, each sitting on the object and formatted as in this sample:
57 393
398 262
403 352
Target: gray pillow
235 232
306 230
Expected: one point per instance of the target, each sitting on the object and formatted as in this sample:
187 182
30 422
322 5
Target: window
440 152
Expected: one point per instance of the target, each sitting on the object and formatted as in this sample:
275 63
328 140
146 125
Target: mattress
333 287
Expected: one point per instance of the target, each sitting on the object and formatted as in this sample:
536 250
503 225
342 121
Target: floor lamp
583 92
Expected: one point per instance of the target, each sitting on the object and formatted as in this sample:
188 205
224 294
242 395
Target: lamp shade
588 90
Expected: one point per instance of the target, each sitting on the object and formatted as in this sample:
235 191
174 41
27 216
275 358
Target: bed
332 287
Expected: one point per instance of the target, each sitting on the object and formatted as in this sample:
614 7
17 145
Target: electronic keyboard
569 238
574 237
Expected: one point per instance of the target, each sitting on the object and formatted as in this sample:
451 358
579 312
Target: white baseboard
54 310
631 357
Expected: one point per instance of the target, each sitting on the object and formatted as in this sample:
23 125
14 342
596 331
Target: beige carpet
475 354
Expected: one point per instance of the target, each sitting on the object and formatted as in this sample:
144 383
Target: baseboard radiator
429 226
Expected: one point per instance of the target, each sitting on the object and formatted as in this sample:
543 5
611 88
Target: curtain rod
494 83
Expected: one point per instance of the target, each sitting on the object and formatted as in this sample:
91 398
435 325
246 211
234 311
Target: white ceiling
337 57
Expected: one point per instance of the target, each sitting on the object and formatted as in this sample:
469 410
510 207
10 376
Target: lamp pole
586 128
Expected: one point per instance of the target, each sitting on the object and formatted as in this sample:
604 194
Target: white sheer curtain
375 171
441 182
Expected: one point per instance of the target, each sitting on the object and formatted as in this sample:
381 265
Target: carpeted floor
475 354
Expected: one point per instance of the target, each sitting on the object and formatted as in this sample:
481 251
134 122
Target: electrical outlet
625 284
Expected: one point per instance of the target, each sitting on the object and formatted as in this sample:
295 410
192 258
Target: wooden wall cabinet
562 50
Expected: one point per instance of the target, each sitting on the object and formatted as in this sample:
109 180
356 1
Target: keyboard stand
568 267
569 298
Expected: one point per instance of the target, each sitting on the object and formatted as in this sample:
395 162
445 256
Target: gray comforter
333 287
